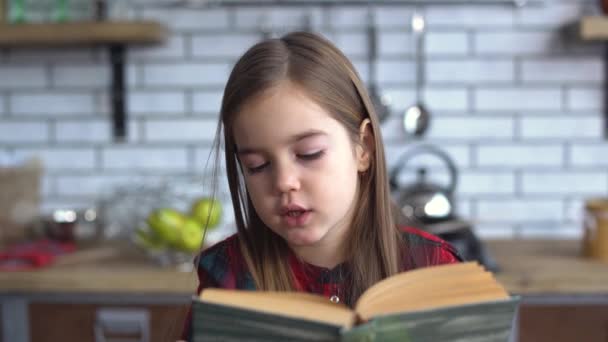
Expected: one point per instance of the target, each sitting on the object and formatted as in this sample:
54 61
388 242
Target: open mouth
297 218
296 213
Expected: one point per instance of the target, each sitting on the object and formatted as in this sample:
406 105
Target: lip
291 207
291 221
299 221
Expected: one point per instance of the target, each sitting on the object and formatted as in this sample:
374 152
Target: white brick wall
521 156
83 131
395 72
355 43
222 45
391 43
62 159
144 159
81 76
584 98
550 16
194 130
561 70
519 99
514 102
515 43
190 19
174 48
186 74
447 44
515 210
89 185
470 17
2 105
484 183
571 127
52 104
156 102
471 71
450 99
16 132
472 128
589 155
208 102
15 77
565 182
279 19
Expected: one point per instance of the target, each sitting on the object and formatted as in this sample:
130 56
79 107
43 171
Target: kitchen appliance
424 201
431 207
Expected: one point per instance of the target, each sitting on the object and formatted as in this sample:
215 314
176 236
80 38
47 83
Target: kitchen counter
530 267
526 267
551 277
108 269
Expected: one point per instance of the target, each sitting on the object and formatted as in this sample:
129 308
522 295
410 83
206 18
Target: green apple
166 224
148 240
207 211
190 236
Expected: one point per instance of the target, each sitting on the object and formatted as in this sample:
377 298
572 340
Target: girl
308 179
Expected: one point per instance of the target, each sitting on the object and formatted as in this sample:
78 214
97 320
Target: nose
286 177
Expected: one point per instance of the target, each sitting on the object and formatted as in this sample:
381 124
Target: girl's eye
311 156
257 169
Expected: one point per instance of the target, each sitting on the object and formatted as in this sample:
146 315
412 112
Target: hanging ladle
380 104
416 118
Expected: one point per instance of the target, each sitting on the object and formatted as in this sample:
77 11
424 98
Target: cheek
257 192
339 176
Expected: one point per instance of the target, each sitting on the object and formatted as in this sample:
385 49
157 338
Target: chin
303 238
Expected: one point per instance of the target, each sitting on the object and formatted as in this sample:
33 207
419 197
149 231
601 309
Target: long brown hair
322 71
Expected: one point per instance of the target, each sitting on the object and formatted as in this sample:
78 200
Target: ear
366 146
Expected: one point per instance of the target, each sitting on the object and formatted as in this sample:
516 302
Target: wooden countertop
527 267
107 269
547 267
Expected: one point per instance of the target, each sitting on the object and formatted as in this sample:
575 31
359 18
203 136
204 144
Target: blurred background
492 113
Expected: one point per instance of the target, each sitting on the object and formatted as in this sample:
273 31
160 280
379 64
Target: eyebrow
290 140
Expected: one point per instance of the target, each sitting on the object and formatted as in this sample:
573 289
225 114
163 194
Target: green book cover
213 322
456 302
480 322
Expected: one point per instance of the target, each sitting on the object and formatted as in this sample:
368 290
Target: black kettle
422 201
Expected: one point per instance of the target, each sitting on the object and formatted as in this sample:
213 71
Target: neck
328 252
322 256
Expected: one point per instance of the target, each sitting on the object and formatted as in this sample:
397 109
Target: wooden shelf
114 35
81 33
594 28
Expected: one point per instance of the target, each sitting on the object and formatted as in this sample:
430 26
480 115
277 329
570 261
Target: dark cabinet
51 322
563 323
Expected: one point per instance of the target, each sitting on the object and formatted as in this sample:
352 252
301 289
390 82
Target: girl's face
300 167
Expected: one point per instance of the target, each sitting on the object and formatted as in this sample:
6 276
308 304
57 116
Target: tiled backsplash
516 101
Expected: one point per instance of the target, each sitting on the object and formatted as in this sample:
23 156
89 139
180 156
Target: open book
454 302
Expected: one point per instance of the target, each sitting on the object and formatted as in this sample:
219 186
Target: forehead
278 115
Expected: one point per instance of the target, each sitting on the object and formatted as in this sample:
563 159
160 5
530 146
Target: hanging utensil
308 25
265 26
416 118
380 105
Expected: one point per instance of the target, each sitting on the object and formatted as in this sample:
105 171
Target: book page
397 281
430 287
289 304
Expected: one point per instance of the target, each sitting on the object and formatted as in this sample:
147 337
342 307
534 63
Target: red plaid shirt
223 266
